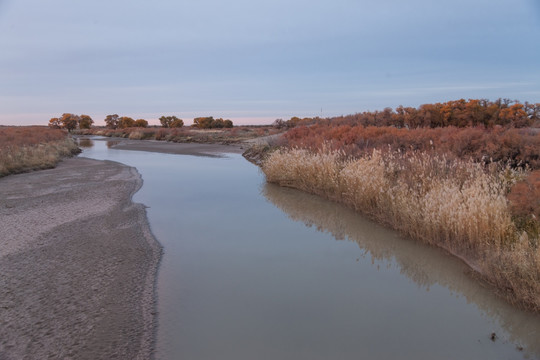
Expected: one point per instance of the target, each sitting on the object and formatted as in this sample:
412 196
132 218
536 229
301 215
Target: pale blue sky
255 61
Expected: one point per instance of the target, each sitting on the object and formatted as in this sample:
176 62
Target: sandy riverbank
196 149
78 264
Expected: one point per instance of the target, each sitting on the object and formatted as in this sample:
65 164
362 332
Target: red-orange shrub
525 195
29 135
518 147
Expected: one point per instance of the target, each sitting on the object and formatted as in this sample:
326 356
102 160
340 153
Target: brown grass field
32 147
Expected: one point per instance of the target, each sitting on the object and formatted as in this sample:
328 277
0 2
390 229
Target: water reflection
85 142
425 265
112 143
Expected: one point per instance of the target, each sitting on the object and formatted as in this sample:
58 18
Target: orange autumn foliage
458 113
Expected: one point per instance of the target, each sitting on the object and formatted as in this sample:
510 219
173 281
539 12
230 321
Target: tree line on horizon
71 122
459 113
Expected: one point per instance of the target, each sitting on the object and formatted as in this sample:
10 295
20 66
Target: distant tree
515 115
111 121
85 122
532 110
410 117
55 123
209 122
178 123
125 122
69 121
203 122
279 123
294 121
166 121
217 124
384 118
141 123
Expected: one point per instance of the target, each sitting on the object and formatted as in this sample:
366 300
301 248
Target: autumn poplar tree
69 121
55 123
178 123
141 123
125 122
171 121
203 122
85 122
514 115
111 121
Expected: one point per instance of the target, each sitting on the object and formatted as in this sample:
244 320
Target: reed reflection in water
85 142
425 265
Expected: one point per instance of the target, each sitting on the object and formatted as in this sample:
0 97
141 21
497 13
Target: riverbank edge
259 154
150 296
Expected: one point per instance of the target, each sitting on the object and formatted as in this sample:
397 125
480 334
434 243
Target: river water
255 271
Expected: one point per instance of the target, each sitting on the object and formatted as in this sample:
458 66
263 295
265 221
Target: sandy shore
212 150
78 264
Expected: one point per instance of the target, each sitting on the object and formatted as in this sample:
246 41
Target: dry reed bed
31 148
455 204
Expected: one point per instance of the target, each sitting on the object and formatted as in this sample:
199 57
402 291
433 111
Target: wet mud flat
78 264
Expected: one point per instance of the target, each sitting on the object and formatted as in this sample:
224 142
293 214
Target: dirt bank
78 264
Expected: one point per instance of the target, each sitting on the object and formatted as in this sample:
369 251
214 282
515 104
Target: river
255 271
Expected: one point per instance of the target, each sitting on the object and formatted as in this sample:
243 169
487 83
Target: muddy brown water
255 271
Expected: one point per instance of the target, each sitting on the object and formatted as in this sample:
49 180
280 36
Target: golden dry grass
31 148
458 205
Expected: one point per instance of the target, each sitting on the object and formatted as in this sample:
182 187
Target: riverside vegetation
205 130
33 147
474 191
233 135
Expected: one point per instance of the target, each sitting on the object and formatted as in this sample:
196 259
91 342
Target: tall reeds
456 204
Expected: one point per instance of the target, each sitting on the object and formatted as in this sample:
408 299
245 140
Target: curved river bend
255 271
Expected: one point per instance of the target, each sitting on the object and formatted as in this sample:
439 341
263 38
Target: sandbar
78 264
196 149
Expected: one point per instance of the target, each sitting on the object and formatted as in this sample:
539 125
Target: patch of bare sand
196 149
78 264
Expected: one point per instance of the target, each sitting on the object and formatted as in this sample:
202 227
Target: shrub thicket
518 147
458 113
